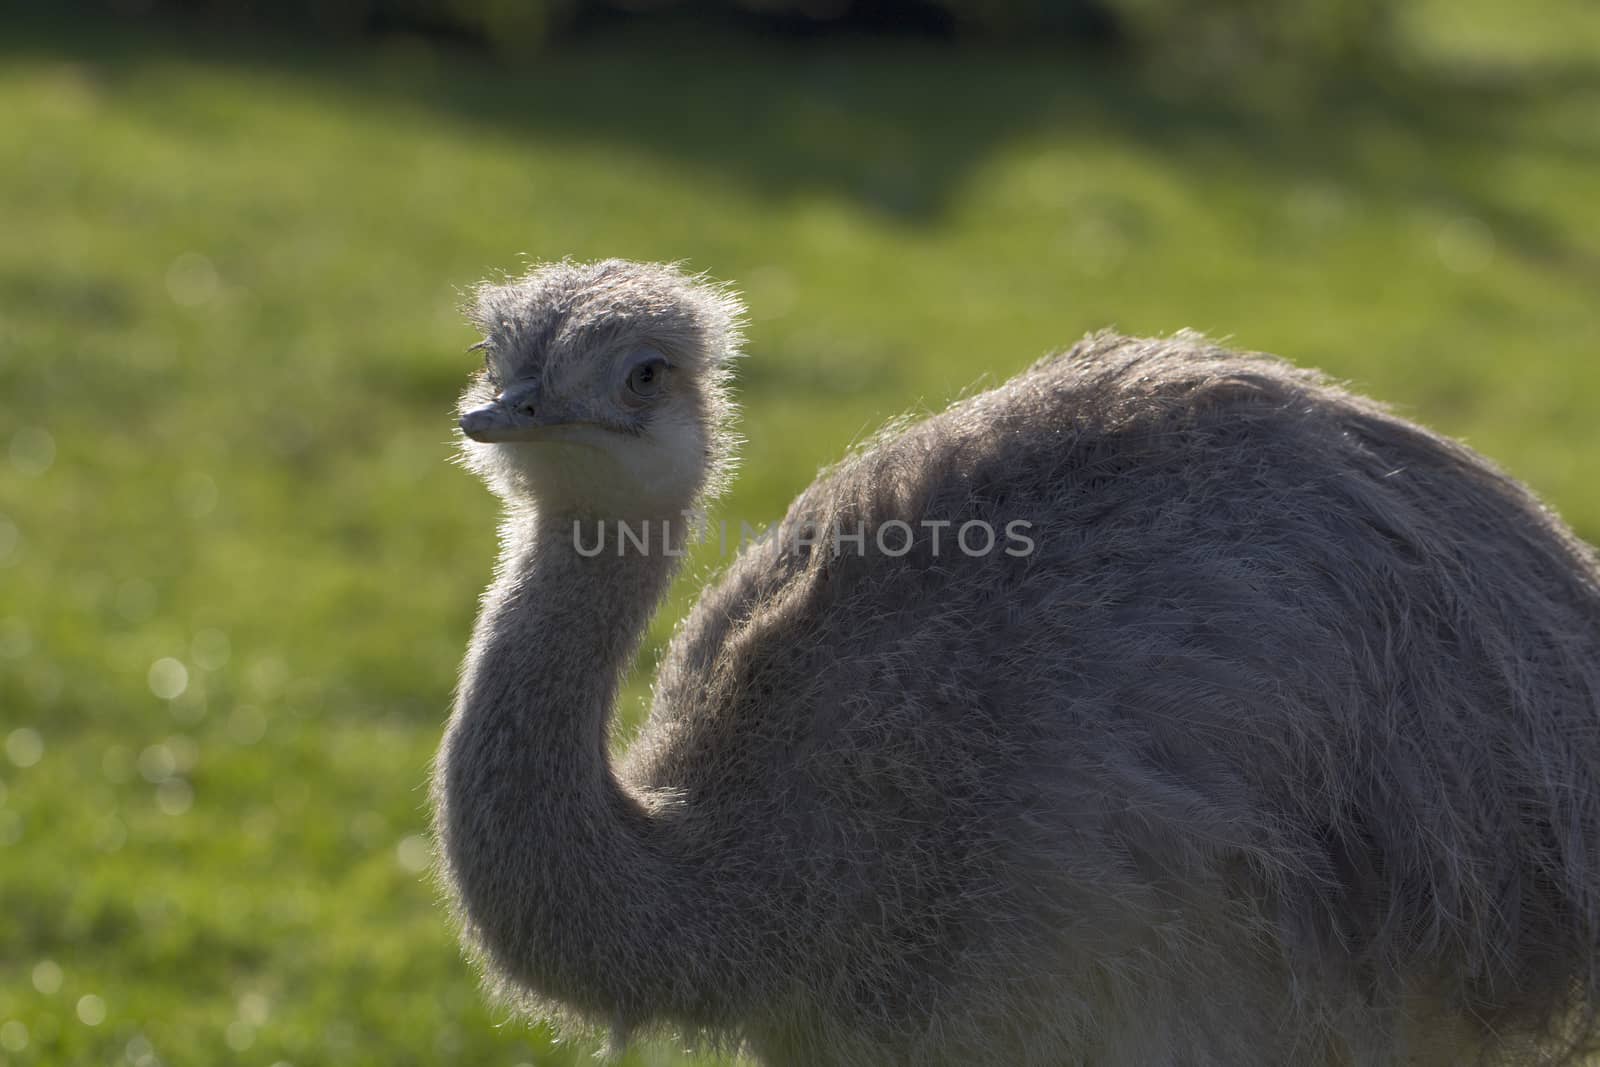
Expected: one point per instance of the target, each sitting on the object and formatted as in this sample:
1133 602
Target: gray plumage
1282 745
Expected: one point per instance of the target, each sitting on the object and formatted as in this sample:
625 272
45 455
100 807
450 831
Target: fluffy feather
1282 745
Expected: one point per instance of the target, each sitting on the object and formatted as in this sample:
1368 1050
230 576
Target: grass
237 569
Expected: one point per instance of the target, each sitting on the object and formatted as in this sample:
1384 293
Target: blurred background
237 568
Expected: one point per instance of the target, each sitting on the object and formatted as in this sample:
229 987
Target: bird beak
514 415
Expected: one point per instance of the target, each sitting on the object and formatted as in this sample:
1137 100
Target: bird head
604 388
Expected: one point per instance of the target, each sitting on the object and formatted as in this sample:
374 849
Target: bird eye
645 379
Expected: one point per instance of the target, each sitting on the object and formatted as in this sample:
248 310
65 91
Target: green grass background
229 267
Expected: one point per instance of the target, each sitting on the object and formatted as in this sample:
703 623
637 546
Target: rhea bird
1273 738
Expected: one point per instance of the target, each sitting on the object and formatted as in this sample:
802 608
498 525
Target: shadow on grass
897 127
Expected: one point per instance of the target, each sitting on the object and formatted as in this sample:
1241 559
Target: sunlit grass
229 349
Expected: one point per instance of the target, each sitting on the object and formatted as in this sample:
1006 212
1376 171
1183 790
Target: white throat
598 472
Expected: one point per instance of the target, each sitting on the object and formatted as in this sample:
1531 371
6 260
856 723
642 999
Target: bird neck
568 881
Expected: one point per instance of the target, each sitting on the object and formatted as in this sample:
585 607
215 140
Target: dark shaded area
1222 33
488 24
864 121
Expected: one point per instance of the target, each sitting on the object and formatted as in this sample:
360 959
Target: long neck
568 883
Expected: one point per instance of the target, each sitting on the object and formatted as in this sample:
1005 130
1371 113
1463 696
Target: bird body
1163 705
